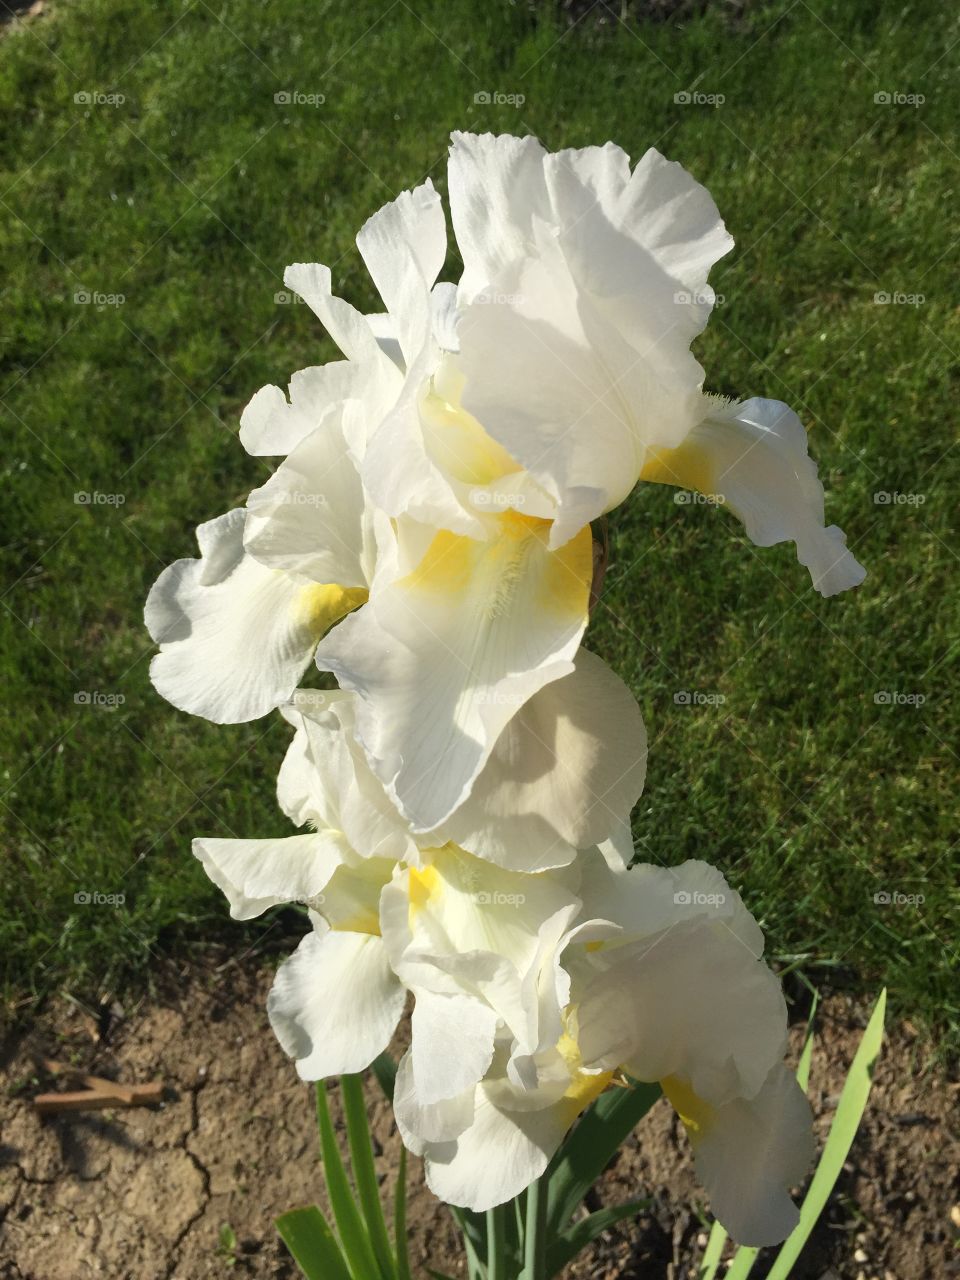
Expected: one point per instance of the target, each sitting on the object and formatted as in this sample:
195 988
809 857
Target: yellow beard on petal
497 571
424 884
318 605
697 1115
584 1086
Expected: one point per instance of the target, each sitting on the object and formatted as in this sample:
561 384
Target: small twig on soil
98 1094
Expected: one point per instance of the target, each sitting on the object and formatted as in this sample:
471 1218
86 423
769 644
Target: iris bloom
532 991
427 530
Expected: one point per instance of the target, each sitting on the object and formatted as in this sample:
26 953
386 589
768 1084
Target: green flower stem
535 1236
496 1244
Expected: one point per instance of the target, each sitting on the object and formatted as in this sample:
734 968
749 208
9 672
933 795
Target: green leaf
711 1255
353 1234
400 1218
364 1171
568 1244
385 1069
590 1148
850 1109
474 1231
307 1235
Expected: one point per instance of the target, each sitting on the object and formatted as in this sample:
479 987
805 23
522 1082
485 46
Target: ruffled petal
753 457
258 874
335 1004
235 637
749 1154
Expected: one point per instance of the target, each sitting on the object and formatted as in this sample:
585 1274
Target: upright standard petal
753 457
234 636
589 316
443 655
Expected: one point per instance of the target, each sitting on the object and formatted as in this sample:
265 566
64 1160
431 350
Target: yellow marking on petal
595 946
361 922
584 1086
688 466
514 561
697 1115
424 885
318 605
461 446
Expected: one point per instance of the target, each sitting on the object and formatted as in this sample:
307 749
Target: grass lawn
815 759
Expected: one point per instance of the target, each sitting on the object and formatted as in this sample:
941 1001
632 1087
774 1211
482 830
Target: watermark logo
895 98
495 498
496 898
690 498
694 98
694 898
894 498
698 298
697 698
294 98
97 899
882 298
486 98
98 698
83 498
894 698
894 898
88 297
94 98
301 498
284 298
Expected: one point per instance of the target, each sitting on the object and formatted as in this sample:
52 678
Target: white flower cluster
466 792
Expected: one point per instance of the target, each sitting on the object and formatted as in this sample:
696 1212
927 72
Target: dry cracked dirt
142 1194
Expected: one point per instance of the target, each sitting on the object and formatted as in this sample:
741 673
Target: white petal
754 457
234 636
750 1153
498 1155
564 774
258 874
691 1002
404 245
335 1004
325 779
443 657
421 1123
310 516
452 1044
589 328
349 329
270 425
497 190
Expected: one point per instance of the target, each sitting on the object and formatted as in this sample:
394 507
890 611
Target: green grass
191 196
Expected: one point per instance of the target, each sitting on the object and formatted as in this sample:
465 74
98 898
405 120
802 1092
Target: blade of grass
312 1244
569 1243
850 1109
353 1234
364 1170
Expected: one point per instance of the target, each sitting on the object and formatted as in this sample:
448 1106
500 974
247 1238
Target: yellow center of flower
584 1086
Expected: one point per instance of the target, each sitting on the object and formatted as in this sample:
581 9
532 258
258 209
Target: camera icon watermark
496 898
894 498
294 98
697 698
85 498
898 298
894 98
286 298
690 498
486 98
99 698
894 898
694 98
894 698
97 899
94 98
88 297
694 898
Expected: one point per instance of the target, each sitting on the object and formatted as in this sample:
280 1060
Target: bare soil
142 1194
